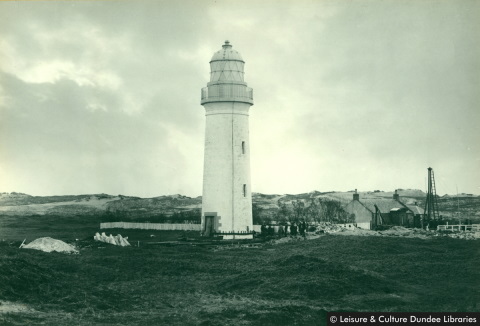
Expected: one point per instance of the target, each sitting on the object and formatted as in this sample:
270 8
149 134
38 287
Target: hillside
18 204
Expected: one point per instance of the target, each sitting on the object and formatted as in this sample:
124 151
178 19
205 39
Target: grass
292 283
69 228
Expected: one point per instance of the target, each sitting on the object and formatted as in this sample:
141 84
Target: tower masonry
227 198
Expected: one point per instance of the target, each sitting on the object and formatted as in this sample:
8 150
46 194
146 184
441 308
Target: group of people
267 230
293 229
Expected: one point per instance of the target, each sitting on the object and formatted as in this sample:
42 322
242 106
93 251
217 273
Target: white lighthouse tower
227 198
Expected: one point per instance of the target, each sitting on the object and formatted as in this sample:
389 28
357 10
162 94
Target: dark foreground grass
293 283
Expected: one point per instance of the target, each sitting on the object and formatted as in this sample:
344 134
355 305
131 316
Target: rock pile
48 244
326 227
465 235
394 231
117 240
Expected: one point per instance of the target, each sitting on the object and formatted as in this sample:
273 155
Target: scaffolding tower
431 204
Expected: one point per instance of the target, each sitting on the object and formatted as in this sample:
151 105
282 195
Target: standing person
301 227
271 231
286 229
263 230
280 230
305 229
293 229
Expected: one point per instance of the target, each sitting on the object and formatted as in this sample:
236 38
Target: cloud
104 96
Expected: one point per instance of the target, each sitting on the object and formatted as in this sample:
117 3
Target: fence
197 227
459 227
151 226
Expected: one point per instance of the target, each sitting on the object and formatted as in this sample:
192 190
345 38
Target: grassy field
14 228
293 283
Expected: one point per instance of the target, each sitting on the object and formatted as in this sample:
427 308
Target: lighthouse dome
226 65
226 78
226 53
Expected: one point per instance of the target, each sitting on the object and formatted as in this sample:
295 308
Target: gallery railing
227 92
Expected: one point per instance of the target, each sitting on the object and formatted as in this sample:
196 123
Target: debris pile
117 240
389 231
361 232
397 231
326 227
400 231
465 235
48 244
394 231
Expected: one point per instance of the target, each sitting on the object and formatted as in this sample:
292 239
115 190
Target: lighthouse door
209 225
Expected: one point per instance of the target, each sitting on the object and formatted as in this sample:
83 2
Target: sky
104 96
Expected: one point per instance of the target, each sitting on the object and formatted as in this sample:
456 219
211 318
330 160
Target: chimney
356 196
395 195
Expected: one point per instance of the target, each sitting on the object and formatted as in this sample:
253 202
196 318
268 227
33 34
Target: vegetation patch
281 284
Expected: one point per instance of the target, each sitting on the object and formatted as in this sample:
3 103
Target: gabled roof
384 205
372 211
399 209
354 203
415 209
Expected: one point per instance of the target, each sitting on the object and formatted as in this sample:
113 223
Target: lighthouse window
243 147
244 190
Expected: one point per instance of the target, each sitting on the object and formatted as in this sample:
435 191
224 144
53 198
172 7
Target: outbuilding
392 211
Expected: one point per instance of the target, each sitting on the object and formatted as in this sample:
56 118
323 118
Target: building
417 214
392 211
227 197
364 216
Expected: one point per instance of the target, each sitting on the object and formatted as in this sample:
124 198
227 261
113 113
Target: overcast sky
104 97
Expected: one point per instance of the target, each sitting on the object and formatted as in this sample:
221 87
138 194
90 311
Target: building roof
227 66
384 205
398 209
366 207
415 209
227 54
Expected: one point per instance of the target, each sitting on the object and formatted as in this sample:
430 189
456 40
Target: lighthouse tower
227 198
